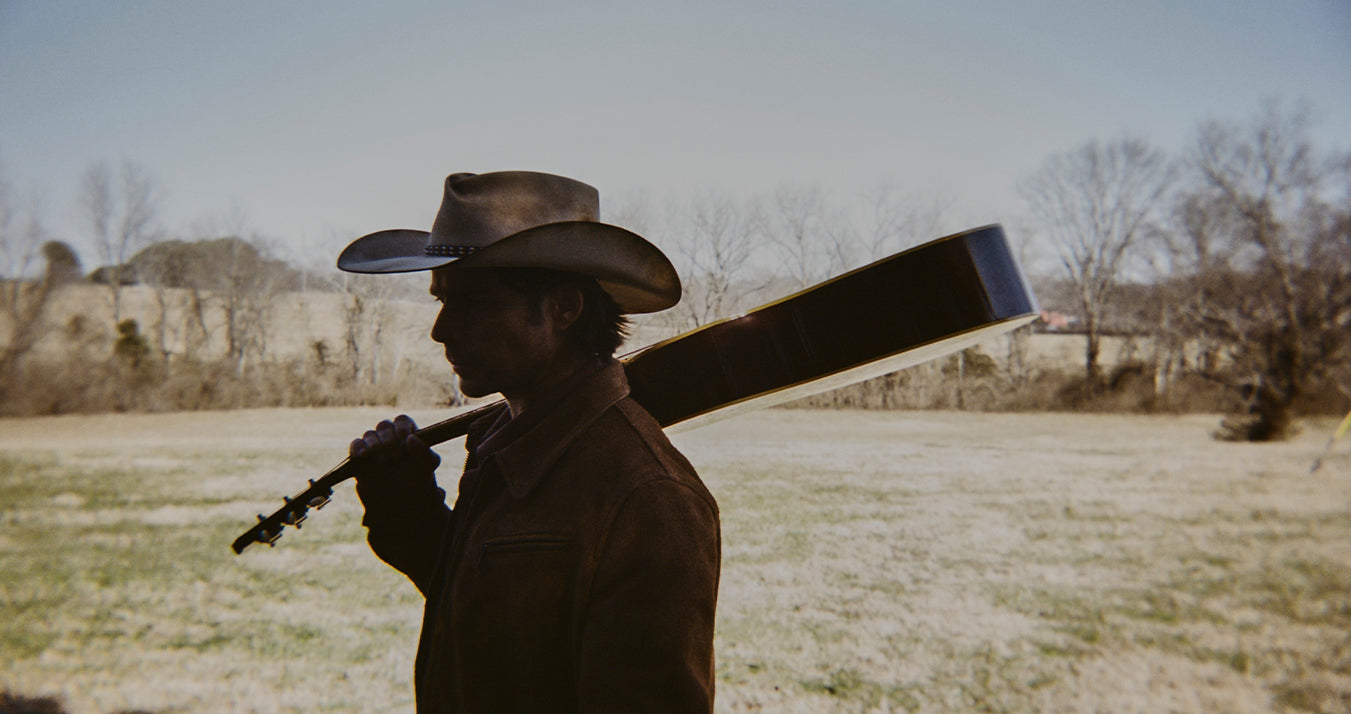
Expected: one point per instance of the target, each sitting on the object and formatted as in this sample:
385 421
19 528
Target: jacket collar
526 457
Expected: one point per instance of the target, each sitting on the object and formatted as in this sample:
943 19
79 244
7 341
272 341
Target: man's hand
392 453
389 440
405 509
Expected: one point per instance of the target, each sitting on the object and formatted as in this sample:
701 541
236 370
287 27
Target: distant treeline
1227 264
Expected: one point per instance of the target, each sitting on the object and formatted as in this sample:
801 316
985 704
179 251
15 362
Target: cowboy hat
524 219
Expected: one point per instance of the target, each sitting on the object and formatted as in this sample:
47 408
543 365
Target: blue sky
328 119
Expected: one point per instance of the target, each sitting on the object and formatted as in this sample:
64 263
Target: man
578 569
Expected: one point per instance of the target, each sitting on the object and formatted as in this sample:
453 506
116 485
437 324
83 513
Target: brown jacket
577 572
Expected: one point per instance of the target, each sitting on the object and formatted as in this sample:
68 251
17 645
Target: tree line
169 322
1228 262
1234 256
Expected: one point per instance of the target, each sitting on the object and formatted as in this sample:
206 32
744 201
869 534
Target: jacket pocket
525 544
523 595
514 620
526 541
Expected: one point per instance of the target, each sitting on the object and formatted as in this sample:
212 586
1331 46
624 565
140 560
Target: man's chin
470 391
471 388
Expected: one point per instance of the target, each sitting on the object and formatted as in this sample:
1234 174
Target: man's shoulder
635 451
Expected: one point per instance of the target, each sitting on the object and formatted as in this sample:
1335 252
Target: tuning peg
293 517
321 500
264 536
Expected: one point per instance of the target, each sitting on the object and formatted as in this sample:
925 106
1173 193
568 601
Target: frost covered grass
873 561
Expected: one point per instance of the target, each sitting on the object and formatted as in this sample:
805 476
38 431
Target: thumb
420 452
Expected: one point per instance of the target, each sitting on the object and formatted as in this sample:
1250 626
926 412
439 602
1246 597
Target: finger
403 427
385 430
356 448
419 450
414 445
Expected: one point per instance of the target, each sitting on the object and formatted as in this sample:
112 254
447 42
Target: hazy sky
329 119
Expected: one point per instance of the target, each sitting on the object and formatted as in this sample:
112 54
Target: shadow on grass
11 703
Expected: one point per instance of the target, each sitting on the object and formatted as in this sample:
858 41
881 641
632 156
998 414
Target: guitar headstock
293 513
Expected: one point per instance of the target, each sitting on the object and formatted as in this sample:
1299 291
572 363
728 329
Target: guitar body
916 305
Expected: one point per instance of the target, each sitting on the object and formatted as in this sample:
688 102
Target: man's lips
459 366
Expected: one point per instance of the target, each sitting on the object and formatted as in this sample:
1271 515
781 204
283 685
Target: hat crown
480 209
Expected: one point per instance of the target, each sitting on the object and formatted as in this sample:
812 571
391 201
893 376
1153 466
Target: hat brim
633 271
392 251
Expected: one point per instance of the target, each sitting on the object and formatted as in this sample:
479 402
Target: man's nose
441 328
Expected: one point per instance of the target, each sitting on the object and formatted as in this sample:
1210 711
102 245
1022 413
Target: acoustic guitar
919 304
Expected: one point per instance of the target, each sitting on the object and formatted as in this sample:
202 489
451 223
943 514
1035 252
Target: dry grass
873 561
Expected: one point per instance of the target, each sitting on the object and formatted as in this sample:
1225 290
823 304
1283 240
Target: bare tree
794 222
353 289
1095 203
891 219
22 305
233 276
717 241
24 241
169 269
120 208
1263 243
632 210
10 247
368 313
172 269
247 284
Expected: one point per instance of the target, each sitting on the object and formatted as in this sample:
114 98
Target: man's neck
557 381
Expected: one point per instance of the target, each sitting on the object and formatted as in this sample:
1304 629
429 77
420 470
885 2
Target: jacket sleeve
647 631
406 518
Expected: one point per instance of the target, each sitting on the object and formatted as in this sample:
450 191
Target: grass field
925 562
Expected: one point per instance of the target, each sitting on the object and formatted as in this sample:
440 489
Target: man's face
494 338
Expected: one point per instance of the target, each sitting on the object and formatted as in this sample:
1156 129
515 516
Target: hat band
450 251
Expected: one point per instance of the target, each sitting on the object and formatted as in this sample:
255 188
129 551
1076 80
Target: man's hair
599 330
